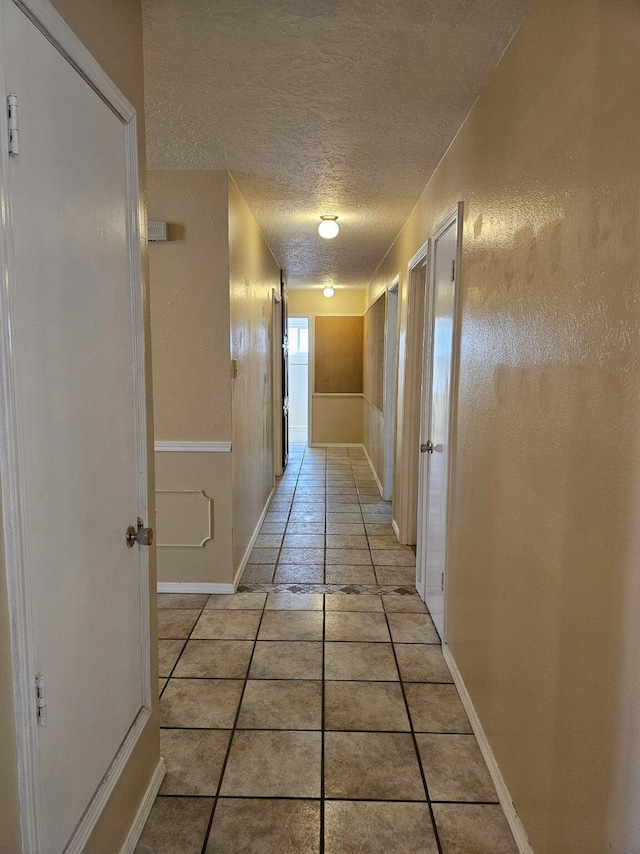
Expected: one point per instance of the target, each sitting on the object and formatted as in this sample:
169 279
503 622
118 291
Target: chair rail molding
194 447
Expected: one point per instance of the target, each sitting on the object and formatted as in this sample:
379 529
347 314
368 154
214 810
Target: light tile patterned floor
317 714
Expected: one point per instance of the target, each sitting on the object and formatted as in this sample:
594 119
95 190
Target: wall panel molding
183 519
194 447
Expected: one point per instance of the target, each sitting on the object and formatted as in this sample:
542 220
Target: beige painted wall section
337 419
190 307
112 30
543 583
253 275
344 301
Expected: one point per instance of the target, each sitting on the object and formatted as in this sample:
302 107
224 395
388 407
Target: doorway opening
298 335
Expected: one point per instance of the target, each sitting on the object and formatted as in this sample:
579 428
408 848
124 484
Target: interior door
75 462
435 425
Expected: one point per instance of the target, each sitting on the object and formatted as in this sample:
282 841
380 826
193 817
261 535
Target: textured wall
337 419
338 355
190 307
374 321
543 584
112 31
343 302
253 275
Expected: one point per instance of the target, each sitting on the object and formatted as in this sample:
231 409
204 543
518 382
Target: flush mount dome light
328 227
328 292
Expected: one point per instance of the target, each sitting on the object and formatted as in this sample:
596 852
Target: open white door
73 451
435 422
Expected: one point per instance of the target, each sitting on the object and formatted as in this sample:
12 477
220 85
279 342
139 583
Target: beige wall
312 302
337 419
543 590
337 357
112 30
253 275
190 307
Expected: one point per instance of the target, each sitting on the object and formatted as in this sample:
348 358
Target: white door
435 424
74 469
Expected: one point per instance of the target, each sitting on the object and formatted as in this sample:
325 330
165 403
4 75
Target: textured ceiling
319 107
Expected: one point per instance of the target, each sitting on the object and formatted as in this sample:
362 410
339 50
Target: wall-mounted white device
156 231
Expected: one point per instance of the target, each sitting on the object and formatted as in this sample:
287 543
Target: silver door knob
140 535
427 447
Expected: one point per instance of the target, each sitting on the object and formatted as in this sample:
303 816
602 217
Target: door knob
427 447
140 535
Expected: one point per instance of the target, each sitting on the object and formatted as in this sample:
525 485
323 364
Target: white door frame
411 323
277 332
59 34
455 214
390 386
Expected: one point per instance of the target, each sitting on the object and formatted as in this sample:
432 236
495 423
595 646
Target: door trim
456 214
277 402
390 392
60 35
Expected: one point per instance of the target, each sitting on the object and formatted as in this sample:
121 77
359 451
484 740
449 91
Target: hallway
313 711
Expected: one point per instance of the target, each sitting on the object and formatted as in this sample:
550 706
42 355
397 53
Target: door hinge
453 271
12 111
442 581
41 700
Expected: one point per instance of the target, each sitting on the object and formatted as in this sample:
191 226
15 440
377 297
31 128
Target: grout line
415 743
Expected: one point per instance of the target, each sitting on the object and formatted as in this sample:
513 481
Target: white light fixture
328 292
328 227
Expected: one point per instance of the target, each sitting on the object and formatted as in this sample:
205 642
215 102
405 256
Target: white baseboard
187 587
375 475
396 529
144 809
337 445
516 826
245 557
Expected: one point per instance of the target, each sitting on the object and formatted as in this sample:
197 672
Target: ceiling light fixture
328 227
328 292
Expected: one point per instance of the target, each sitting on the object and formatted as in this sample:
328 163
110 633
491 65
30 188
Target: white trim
189 587
245 557
193 447
390 385
44 16
396 530
135 831
337 445
339 394
516 826
277 359
374 472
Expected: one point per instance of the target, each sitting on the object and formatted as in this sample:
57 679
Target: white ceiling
319 106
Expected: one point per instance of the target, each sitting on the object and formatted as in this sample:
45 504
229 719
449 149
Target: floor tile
349 557
347 541
168 653
161 684
420 662
305 528
194 760
344 519
189 601
369 827
301 556
262 556
269 541
473 829
176 824
200 703
286 660
393 557
370 765
303 541
258 574
412 628
404 576
214 659
355 661
269 763
176 623
435 708
292 625
405 604
347 602
273 527
350 575
387 543
376 706
300 573
350 626
380 529
454 768
236 601
295 602
281 704
276 827
350 528
231 625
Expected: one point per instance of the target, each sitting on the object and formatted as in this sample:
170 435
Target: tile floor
313 711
